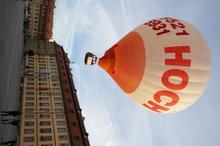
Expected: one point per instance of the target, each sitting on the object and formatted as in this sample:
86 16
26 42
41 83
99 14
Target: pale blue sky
112 119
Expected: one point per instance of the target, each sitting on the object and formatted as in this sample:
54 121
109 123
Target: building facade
40 19
51 115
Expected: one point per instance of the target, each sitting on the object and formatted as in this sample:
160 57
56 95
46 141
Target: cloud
96 32
87 26
111 117
64 26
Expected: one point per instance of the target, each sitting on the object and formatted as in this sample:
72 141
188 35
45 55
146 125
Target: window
30 83
42 67
46 138
29 116
61 130
29 123
54 84
28 131
44 104
29 98
58 104
28 139
45 130
56 93
42 64
29 79
53 64
57 98
30 59
53 68
43 93
30 88
52 58
31 67
30 71
55 81
29 110
56 89
58 110
44 99
54 72
29 104
43 84
30 63
44 116
59 123
59 116
30 93
30 75
42 79
62 137
44 123
45 110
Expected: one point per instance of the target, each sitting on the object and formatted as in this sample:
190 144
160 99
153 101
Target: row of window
46 104
31 69
41 61
44 130
54 79
45 138
43 116
41 57
55 93
44 85
31 98
44 110
43 123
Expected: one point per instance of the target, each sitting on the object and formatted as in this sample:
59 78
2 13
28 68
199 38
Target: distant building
51 115
40 19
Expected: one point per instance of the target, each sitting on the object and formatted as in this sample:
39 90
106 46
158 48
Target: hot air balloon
163 65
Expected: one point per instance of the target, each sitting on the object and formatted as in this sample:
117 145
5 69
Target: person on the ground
11 113
12 120
9 143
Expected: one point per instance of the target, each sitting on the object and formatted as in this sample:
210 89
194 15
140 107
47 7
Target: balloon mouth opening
107 62
90 59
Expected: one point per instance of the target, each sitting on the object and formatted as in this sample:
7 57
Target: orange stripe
125 62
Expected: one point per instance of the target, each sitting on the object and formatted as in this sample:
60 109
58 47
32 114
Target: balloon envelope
163 64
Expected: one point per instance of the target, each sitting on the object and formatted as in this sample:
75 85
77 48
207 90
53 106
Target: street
11 41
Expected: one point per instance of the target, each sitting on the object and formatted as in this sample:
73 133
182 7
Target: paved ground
11 48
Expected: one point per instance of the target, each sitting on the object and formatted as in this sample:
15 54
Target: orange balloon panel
164 64
124 63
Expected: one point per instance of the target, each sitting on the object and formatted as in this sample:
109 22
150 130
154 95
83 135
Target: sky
112 119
